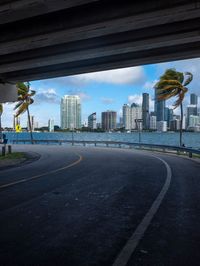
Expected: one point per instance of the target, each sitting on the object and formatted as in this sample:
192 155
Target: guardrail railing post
3 151
190 154
9 149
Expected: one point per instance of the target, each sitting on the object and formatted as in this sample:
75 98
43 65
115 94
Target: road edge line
125 254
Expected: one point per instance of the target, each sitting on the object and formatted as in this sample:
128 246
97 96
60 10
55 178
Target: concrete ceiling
47 38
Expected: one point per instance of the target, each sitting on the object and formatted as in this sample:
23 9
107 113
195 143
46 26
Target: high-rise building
194 120
193 99
145 110
92 121
130 114
152 124
168 115
136 113
191 110
51 125
161 126
70 110
159 108
126 110
175 124
108 120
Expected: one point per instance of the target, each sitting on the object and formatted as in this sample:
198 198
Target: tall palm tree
173 84
24 100
1 111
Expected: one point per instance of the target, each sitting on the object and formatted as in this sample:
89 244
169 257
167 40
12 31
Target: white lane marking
124 256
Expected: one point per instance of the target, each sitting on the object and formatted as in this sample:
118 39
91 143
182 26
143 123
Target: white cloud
148 85
47 96
84 96
107 100
131 75
137 98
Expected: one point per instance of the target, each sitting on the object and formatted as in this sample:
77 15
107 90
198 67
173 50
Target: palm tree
173 84
1 111
24 100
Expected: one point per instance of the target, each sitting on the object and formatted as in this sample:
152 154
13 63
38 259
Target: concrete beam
95 53
49 35
47 38
12 11
8 93
106 63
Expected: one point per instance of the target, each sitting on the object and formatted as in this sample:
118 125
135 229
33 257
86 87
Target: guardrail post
3 151
9 149
95 144
190 154
107 144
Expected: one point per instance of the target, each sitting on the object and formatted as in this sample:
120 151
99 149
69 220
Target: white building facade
162 126
152 122
130 114
70 110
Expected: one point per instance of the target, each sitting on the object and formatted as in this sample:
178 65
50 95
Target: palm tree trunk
30 126
181 124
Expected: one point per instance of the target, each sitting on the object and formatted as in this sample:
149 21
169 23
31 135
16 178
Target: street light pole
138 124
72 127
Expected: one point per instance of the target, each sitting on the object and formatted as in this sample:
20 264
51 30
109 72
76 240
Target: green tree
25 95
173 84
1 112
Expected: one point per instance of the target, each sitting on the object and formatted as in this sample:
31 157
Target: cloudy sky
101 91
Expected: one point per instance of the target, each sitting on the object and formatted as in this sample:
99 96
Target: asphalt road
83 205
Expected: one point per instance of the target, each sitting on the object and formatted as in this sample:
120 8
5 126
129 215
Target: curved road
90 206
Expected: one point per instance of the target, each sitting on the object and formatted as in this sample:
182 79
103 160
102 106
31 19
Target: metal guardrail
163 148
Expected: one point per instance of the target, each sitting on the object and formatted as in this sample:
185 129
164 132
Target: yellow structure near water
18 129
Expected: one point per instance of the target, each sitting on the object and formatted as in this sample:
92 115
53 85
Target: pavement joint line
41 175
129 248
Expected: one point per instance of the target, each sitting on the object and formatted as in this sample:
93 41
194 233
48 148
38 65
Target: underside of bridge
50 38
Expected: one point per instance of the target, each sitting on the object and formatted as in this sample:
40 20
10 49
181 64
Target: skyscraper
126 116
159 108
145 110
51 125
191 110
193 99
70 110
92 121
130 113
108 120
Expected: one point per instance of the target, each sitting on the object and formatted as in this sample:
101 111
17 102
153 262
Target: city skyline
101 91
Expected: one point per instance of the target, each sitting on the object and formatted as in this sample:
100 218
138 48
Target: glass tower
145 110
70 110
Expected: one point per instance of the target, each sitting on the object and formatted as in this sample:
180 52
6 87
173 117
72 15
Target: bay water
190 139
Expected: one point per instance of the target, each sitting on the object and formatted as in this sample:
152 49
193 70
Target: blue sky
101 91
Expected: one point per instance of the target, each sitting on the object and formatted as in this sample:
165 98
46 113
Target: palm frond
172 74
179 100
18 105
22 109
189 78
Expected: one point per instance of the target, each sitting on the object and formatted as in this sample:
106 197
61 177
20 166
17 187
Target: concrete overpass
47 38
